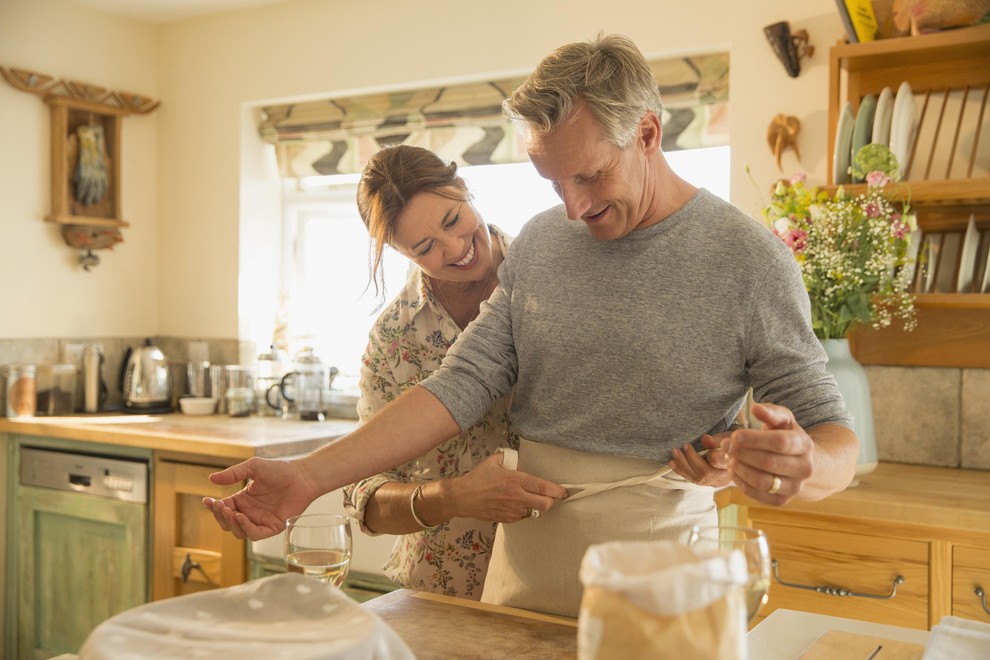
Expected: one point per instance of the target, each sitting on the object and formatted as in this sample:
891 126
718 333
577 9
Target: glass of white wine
319 545
754 546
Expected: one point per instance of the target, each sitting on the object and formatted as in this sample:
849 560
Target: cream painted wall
45 293
202 210
211 67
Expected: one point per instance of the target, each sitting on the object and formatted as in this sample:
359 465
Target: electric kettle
145 381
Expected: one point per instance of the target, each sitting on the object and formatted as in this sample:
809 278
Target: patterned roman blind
464 122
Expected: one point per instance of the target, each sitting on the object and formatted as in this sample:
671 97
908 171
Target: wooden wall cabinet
953 329
908 545
191 552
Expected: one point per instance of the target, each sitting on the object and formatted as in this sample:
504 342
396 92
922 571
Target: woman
445 504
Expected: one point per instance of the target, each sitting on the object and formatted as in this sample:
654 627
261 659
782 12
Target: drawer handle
983 599
839 591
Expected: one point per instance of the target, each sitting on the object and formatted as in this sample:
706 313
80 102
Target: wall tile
29 351
916 414
975 449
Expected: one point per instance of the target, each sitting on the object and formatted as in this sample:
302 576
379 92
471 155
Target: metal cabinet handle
983 599
188 566
839 591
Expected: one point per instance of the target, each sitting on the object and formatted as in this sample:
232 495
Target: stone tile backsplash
916 414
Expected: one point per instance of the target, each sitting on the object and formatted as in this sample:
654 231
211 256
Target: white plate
902 126
862 129
843 143
882 117
967 260
911 257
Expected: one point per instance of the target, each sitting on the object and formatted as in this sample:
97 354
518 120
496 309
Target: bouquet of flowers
852 250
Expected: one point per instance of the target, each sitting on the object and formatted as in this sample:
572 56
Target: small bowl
198 405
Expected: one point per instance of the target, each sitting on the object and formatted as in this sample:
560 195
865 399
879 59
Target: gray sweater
637 345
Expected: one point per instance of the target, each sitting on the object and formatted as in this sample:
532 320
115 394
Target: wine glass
754 546
319 545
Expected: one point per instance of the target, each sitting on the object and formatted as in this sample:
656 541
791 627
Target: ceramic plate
902 126
911 257
967 261
863 128
843 143
882 117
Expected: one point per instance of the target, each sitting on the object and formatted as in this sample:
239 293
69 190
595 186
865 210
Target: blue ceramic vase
855 388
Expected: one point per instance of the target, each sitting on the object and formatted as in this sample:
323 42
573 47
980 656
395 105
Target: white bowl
198 405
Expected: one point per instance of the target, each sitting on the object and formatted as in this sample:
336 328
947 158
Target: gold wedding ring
532 513
775 486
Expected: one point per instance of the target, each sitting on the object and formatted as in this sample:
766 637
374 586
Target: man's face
609 188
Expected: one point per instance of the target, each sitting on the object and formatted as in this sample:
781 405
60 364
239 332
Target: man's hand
771 464
708 470
276 490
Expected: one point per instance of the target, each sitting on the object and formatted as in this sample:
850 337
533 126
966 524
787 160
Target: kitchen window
329 304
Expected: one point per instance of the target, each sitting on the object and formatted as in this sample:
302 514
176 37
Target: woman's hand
491 492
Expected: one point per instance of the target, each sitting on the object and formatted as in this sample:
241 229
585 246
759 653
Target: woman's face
445 237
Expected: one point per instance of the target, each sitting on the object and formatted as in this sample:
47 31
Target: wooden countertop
435 626
208 435
896 492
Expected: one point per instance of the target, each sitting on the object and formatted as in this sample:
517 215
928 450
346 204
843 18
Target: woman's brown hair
392 177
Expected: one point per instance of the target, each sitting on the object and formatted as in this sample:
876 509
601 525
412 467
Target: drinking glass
754 546
319 545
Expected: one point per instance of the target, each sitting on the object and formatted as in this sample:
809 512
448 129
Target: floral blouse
407 343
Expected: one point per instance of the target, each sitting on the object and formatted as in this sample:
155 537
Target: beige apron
535 562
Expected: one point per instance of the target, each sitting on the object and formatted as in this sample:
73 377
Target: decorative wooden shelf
85 156
953 328
953 331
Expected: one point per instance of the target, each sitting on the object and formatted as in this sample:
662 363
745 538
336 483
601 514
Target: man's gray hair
609 74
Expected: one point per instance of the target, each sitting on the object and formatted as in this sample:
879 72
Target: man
632 320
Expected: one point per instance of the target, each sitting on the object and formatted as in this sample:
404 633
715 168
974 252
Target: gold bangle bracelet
412 507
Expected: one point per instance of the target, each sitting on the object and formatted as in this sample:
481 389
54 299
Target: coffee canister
21 389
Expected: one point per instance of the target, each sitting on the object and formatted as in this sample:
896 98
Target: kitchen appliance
311 380
145 380
79 536
95 390
269 370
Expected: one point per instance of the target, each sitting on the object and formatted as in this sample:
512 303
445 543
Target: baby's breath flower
851 249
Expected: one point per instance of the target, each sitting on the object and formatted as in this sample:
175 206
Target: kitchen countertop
208 435
435 626
920 495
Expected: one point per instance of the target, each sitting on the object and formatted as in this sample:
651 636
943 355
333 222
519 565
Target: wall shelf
953 328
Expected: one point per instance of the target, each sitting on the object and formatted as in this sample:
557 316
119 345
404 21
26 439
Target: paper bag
658 599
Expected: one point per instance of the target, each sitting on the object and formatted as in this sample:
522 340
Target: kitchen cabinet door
970 572
191 552
80 559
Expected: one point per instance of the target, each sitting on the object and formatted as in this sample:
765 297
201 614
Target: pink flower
800 177
873 210
877 179
797 240
898 229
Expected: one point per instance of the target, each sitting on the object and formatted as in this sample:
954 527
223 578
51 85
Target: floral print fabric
407 343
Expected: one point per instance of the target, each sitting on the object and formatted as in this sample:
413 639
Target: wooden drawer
835 561
970 571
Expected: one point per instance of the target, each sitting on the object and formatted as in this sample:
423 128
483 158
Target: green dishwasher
81 546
